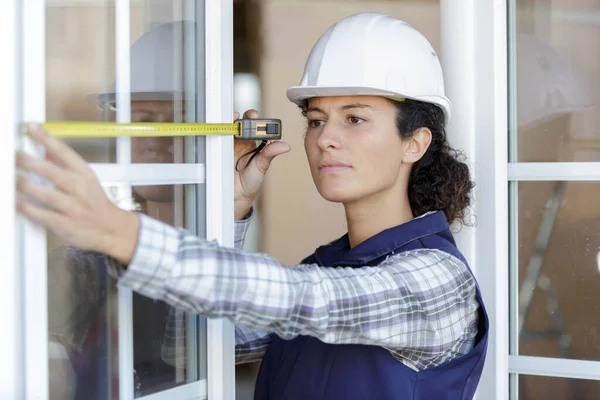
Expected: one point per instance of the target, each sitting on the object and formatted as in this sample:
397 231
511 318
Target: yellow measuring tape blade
76 129
590 144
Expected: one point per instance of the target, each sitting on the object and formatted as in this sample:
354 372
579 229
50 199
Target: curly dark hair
439 180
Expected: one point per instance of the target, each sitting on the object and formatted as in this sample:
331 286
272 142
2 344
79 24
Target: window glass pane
559 269
557 81
166 85
82 307
549 387
164 355
82 352
82 300
80 61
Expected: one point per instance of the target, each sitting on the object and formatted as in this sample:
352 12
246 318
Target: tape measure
590 144
263 129
248 129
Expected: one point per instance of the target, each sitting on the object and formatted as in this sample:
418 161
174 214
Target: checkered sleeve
421 305
250 343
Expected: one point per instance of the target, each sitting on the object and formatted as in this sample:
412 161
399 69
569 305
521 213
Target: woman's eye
315 123
355 120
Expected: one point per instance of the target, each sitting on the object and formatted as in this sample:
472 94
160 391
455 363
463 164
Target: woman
388 311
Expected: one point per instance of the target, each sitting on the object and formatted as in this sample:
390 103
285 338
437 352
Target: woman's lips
333 166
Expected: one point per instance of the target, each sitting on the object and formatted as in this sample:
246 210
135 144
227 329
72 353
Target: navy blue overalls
306 368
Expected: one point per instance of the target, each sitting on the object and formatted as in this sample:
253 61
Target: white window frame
474 61
475 50
11 368
25 370
33 257
540 171
219 181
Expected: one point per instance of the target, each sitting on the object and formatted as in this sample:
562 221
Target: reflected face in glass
152 150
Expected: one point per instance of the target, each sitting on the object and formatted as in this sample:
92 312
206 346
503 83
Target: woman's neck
372 215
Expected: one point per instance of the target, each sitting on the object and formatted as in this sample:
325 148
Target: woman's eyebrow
314 109
355 105
343 108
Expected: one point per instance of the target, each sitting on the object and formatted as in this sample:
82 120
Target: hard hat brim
108 100
298 95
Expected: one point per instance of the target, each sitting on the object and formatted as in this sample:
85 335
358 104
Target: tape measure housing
260 129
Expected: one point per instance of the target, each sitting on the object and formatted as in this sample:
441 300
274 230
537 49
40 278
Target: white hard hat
547 86
373 54
157 71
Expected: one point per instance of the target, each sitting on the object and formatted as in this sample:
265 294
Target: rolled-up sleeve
421 305
250 343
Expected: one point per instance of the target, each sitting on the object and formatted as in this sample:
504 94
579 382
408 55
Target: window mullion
123 115
190 391
149 174
218 19
556 367
11 371
34 249
554 171
475 72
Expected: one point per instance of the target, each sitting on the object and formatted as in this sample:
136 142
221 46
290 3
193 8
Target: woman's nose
330 137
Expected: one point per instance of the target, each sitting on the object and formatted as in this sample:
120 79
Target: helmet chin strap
254 154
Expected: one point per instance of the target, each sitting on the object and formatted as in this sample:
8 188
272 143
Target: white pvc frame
543 171
33 249
123 115
555 367
25 370
137 174
474 60
475 50
557 171
219 181
11 368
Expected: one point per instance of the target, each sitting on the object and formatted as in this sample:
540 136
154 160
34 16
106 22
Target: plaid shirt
420 305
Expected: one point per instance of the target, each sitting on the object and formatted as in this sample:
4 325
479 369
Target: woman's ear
417 145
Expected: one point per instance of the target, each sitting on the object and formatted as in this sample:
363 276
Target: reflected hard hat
547 86
157 66
373 54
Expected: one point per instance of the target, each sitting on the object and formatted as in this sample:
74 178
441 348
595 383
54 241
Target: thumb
272 150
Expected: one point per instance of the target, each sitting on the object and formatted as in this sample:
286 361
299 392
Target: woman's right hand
249 181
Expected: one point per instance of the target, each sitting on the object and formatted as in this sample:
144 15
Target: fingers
251 114
37 214
264 158
60 177
57 150
51 197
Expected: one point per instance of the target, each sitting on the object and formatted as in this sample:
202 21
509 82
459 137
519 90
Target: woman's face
354 149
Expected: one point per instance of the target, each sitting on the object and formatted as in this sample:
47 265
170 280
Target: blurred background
556 53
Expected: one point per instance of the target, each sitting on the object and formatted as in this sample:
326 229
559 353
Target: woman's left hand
76 209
